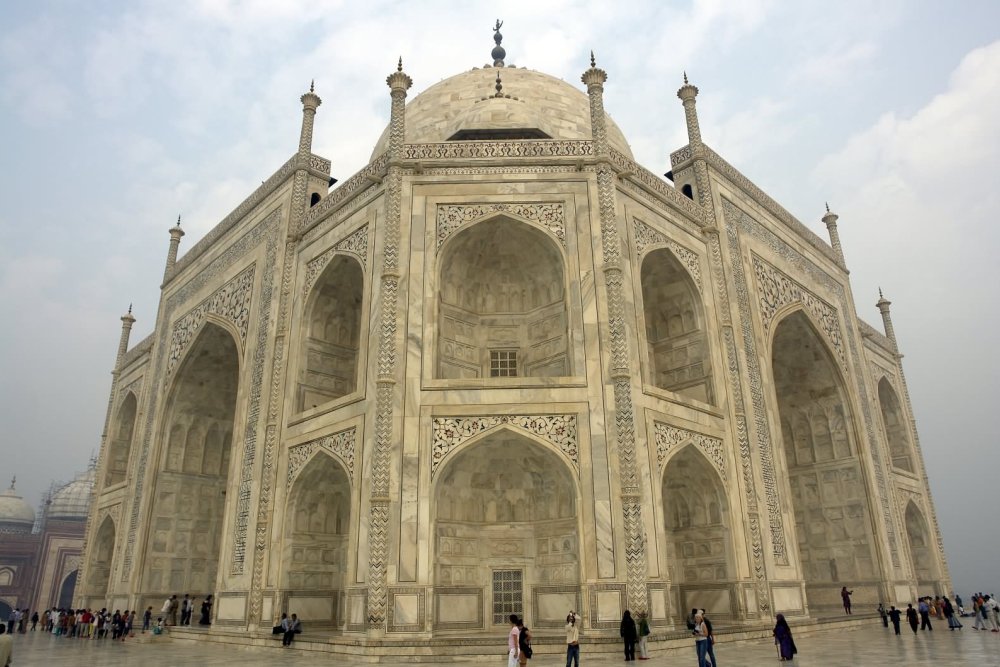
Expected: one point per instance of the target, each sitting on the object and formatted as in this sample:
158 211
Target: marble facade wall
507 490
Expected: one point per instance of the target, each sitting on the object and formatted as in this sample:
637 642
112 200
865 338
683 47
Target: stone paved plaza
862 646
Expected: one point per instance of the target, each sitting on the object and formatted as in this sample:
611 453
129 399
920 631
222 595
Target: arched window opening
332 335
895 427
506 516
67 589
317 526
687 191
696 528
187 519
120 446
829 495
314 199
679 359
502 304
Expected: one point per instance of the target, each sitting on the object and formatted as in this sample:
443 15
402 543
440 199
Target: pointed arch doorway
506 532
833 520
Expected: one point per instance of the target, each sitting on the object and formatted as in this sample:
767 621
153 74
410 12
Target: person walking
894 615
572 640
174 606
186 610
643 633
628 634
925 614
911 617
206 612
523 643
883 615
512 645
994 612
711 637
34 621
700 633
147 618
783 638
165 610
951 615
845 595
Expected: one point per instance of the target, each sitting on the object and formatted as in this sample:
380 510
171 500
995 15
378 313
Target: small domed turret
16 516
71 502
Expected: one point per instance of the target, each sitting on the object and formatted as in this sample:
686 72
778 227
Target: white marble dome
532 101
16 516
72 501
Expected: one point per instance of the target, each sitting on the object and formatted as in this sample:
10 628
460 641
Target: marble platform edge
459 648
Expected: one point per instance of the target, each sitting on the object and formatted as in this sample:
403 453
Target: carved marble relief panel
356 242
450 432
775 290
230 302
548 214
647 237
668 438
341 444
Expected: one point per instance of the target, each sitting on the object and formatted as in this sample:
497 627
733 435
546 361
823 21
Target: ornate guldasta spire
498 52
687 93
830 220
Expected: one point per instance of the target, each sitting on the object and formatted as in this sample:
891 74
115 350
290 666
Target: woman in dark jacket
949 613
783 638
628 635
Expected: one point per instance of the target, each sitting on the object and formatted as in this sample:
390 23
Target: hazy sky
115 117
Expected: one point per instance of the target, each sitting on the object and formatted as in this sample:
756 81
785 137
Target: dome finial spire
498 52
593 61
399 66
13 481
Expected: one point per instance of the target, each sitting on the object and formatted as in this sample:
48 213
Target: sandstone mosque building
504 368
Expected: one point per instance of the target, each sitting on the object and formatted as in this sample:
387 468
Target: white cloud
835 66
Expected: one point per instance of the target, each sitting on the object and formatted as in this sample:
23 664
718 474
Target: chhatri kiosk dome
505 369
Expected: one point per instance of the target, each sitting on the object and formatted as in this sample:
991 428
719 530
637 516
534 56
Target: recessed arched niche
923 551
99 572
696 528
502 303
677 345
120 447
317 526
829 494
189 498
896 431
329 350
505 521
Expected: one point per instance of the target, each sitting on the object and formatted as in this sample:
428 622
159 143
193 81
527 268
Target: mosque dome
71 502
533 105
16 516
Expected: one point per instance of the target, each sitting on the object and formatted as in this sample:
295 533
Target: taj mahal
506 369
